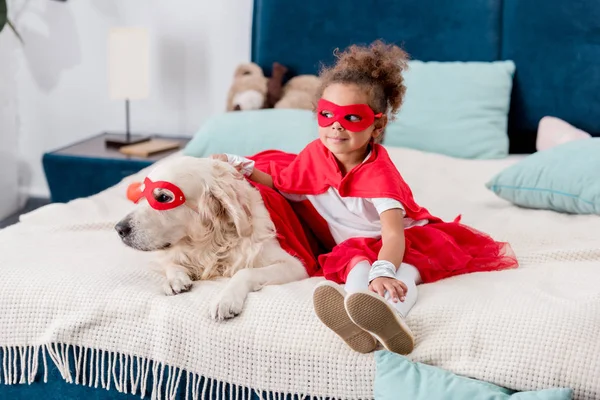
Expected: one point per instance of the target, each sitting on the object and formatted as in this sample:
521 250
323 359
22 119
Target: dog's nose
123 228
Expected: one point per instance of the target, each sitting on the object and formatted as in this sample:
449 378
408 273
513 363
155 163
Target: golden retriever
222 230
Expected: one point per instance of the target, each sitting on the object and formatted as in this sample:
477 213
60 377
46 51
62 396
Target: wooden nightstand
88 167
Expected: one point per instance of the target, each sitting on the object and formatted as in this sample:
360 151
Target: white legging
358 280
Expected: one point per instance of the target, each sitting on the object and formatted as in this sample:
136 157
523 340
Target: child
382 243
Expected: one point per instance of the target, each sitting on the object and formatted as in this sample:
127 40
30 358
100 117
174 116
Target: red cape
315 170
290 231
438 250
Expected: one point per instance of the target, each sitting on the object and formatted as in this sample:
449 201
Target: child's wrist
382 269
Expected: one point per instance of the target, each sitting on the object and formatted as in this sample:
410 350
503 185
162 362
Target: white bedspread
66 278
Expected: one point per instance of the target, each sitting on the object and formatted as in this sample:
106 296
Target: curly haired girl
380 243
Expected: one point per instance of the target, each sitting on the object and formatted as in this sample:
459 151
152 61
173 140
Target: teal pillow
399 378
249 132
565 178
458 109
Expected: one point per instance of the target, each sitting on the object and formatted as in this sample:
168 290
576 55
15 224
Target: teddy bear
300 92
275 84
251 90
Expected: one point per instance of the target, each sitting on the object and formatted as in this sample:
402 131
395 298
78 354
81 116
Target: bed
82 316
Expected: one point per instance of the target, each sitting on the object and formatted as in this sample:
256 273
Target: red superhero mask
164 201
354 118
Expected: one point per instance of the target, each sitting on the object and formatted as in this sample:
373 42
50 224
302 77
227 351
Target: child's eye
353 118
326 114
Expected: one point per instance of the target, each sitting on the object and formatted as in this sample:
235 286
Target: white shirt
350 217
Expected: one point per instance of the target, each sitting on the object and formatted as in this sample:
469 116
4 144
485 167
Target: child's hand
242 165
396 288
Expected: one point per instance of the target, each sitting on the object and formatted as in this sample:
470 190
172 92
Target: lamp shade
128 63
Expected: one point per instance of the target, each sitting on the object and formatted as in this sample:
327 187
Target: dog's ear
228 197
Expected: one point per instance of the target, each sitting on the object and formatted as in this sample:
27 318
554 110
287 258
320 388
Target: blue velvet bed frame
555 45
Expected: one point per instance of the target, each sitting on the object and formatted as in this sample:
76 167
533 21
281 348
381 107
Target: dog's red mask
172 198
354 117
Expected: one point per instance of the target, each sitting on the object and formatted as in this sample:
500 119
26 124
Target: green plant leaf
5 21
10 24
3 14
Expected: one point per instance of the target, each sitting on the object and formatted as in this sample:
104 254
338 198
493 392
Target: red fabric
290 231
315 227
438 250
328 113
315 170
149 188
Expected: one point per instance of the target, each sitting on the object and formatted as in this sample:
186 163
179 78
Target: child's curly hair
377 67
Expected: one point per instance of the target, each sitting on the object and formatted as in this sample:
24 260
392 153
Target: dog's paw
180 282
227 305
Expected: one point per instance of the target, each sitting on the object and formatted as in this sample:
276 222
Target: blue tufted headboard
555 45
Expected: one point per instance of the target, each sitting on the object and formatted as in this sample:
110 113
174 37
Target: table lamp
128 75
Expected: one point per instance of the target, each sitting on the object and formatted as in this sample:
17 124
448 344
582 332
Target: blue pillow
565 178
458 109
399 378
249 132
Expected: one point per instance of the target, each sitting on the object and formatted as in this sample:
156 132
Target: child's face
335 137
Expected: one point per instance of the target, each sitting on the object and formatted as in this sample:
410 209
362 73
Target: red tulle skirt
438 250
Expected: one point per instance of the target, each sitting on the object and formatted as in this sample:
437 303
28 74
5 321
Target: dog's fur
222 230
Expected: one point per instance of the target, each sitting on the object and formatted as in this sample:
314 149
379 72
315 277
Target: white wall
62 79
8 127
